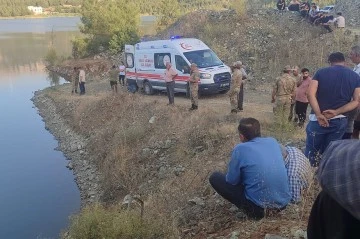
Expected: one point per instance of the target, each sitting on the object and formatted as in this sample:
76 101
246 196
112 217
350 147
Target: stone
235 235
197 201
167 144
152 120
146 152
269 236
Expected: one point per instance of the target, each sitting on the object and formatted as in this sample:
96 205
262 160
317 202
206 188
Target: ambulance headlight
205 76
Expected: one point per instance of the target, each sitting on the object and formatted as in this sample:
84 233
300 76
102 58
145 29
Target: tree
168 12
109 24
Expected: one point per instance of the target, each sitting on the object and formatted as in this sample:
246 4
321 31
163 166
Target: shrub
51 57
96 222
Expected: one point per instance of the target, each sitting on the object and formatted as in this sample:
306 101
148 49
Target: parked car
327 9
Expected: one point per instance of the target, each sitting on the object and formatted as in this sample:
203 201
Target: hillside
350 9
132 144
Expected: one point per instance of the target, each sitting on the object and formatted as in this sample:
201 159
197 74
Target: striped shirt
299 172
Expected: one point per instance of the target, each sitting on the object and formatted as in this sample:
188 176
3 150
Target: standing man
122 69
355 58
194 86
236 81
75 83
113 75
284 93
302 102
256 178
297 78
169 77
333 92
241 93
82 80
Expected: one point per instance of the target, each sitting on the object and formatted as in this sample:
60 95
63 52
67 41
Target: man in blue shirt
256 178
333 92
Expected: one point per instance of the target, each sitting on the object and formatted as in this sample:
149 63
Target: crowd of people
264 175
313 13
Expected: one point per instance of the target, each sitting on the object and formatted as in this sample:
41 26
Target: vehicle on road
146 64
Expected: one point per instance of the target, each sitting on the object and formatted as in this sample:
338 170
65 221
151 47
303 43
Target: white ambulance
145 65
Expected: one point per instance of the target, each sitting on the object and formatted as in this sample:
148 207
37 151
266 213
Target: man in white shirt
169 77
339 21
355 58
82 81
122 69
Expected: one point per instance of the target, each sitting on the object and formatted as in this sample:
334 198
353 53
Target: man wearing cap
297 77
284 94
333 92
236 81
194 86
336 210
169 77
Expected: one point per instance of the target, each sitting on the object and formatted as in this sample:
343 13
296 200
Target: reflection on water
53 78
26 51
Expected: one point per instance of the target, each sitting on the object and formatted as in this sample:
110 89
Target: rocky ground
132 144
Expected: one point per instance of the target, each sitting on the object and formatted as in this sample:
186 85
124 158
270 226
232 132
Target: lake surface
37 191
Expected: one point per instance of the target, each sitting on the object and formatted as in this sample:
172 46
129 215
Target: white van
145 65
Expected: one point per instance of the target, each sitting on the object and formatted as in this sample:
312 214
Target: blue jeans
318 137
82 88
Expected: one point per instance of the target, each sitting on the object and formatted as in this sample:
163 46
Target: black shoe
234 111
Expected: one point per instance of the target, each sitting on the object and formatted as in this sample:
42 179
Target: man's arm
346 108
274 93
311 95
233 173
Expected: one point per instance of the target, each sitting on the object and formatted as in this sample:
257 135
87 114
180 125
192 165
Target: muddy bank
73 147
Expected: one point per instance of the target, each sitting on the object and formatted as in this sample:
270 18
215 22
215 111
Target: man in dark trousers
336 211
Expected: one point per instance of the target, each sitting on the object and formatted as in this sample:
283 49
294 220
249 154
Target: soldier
236 81
75 83
194 86
284 93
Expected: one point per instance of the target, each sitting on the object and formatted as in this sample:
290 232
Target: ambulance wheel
224 91
148 90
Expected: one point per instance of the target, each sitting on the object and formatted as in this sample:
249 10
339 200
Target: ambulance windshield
203 58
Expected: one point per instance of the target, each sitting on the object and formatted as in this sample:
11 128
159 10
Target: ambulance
145 65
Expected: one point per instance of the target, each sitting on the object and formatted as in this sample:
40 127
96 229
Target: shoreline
39 16
73 146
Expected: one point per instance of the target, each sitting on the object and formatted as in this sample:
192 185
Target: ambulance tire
148 90
224 91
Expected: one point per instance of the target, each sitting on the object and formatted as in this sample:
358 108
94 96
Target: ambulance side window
160 60
181 65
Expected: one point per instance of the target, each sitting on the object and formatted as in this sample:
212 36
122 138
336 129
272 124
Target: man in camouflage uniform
284 92
236 81
194 86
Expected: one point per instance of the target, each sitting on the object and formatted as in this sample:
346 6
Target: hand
329 113
323 121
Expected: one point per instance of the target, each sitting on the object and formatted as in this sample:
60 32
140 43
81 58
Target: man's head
305 73
339 14
336 58
168 65
75 68
249 128
287 69
355 54
237 65
113 67
295 71
193 67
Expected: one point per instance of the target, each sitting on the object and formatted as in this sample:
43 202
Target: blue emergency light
175 37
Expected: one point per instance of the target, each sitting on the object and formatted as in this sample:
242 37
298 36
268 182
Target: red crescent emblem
185 46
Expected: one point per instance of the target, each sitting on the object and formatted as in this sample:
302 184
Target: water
37 192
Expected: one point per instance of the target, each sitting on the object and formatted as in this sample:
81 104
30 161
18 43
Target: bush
96 222
51 57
